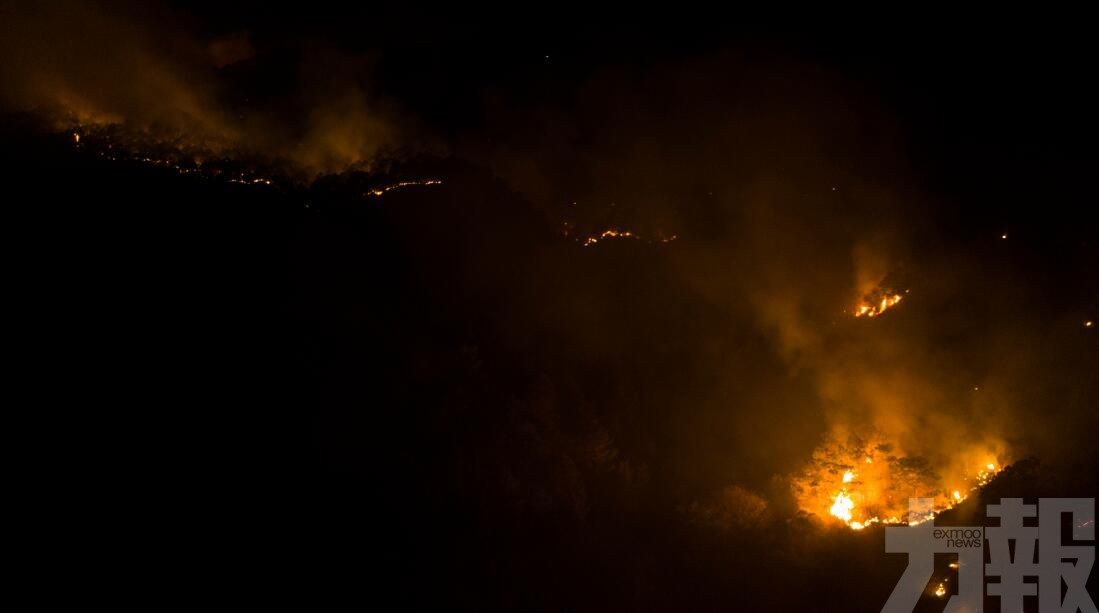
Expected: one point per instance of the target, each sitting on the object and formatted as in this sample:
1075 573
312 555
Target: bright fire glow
941 590
842 507
875 308
878 492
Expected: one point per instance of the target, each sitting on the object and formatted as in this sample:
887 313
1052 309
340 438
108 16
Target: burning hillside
864 480
584 314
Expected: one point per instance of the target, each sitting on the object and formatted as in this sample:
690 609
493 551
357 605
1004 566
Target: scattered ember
616 233
379 191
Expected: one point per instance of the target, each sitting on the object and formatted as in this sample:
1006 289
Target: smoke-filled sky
605 290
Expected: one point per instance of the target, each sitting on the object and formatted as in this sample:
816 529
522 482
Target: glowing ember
612 233
849 476
118 143
258 181
1089 323
941 590
616 233
379 191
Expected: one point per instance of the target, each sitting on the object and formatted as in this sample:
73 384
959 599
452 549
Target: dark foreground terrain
289 395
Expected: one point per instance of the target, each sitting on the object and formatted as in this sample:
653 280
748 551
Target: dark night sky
294 392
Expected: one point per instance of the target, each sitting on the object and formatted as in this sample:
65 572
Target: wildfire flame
616 233
843 506
379 191
878 492
873 309
117 143
612 233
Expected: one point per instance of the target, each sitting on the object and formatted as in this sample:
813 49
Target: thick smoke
149 71
787 188
793 201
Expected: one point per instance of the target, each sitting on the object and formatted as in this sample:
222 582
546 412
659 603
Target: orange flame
868 309
878 492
